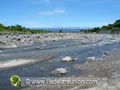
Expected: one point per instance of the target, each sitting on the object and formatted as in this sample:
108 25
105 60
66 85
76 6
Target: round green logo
15 80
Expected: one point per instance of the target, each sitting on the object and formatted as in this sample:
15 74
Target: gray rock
2 43
91 58
106 53
60 71
67 59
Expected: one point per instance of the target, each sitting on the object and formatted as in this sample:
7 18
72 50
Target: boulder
55 39
67 59
2 43
60 71
74 59
11 45
106 53
7 45
91 58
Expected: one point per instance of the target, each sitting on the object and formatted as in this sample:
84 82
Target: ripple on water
0 51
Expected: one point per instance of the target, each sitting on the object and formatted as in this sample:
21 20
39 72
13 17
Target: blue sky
59 13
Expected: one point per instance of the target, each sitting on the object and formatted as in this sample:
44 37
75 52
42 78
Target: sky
59 13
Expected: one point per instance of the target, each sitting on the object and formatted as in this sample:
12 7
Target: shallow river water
55 51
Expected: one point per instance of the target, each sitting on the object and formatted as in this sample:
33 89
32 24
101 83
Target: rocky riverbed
60 54
13 41
109 68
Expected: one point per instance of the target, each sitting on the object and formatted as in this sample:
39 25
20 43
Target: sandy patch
14 63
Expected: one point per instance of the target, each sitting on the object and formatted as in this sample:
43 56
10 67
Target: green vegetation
110 28
15 80
18 29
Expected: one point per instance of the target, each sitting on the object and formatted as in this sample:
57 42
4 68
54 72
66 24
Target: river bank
13 41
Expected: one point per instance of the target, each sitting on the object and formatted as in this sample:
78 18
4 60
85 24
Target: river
55 51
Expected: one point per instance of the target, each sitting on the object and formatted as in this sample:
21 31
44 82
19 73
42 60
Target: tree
110 28
117 23
1 26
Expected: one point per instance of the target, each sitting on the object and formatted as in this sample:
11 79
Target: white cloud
53 12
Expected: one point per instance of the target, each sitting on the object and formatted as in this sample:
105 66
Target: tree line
110 28
18 29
